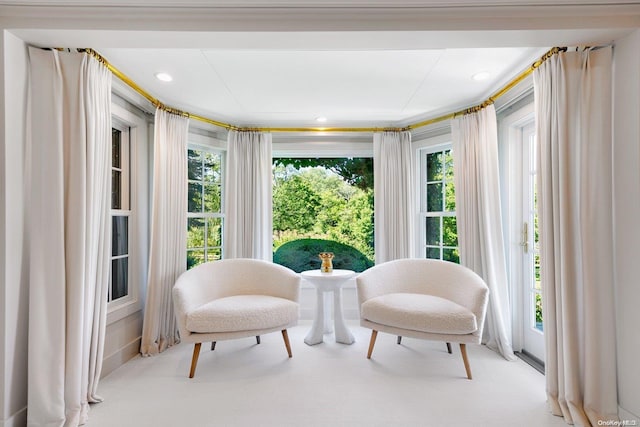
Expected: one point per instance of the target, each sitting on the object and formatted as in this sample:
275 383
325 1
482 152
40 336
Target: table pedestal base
322 321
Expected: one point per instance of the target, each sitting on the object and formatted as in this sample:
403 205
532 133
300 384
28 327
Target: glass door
532 315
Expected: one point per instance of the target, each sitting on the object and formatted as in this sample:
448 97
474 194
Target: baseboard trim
625 415
120 357
18 419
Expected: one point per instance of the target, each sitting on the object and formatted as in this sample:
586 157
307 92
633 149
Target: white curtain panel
479 218
247 201
168 252
394 196
573 124
68 199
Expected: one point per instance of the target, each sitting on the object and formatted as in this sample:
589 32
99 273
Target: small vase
327 263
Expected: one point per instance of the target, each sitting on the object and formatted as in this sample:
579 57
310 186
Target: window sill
119 311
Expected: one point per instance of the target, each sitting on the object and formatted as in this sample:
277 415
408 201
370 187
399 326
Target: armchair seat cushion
242 313
418 312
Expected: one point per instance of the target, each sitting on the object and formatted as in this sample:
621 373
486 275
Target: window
120 213
438 206
129 251
205 219
323 205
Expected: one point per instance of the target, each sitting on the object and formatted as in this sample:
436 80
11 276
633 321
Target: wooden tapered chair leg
399 339
257 339
194 359
285 337
372 342
463 350
449 347
213 345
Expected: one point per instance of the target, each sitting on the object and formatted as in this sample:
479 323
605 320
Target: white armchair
423 298
235 298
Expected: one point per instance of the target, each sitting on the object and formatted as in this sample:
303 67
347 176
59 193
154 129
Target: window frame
138 196
125 206
296 146
423 148
512 127
215 146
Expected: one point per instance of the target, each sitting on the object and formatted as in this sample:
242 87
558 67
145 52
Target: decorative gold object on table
327 264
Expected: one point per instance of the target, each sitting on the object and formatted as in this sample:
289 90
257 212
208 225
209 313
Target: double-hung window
120 213
205 218
129 212
438 205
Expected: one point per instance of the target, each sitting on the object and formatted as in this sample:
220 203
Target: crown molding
303 4
430 18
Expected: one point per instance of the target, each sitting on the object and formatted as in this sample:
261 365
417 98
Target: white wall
14 307
3 281
626 159
3 240
122 342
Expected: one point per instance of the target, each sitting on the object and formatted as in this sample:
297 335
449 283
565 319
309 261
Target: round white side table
328 282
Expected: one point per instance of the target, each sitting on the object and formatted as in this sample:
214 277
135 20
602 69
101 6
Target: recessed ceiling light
321 119
164 77
482 75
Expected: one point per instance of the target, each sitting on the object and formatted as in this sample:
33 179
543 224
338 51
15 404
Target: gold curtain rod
156 103
311 129
229 126
506 88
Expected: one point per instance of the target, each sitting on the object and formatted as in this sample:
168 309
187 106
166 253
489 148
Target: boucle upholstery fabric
214 280
442 279
417 312
242 313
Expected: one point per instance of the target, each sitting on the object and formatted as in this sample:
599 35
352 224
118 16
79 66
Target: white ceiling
293 87
286 63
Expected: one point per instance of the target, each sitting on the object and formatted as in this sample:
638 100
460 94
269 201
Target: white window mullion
120 201
444 181
126 169
131 201
204 181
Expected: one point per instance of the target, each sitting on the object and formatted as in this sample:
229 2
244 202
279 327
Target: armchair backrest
218 279
426 276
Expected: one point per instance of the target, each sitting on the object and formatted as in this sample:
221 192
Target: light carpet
241 383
